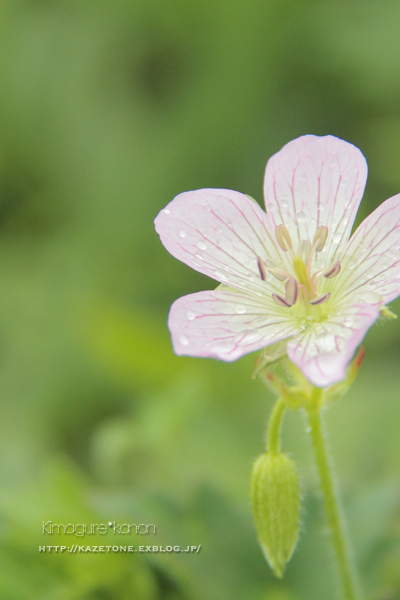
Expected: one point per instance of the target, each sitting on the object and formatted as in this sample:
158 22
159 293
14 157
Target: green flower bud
275 495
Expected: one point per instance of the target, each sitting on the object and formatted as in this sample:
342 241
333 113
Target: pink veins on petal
291 273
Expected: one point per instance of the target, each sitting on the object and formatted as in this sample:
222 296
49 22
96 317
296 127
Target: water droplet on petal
201 245
251 337
218 230
370 297
190 315
224 348
349 322
336 238
199 255
240 310
207 208
183 340
344 182
284 203
182 233
301 217
221 274
167 211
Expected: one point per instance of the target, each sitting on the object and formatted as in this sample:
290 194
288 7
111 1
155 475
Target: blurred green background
108 109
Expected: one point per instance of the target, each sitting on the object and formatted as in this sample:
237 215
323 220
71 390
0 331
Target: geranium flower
291 273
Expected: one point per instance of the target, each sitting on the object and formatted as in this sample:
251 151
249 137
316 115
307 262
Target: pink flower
291 273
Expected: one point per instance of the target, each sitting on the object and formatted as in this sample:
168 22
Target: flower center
301 287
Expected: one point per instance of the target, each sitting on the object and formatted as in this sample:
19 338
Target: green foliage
107 110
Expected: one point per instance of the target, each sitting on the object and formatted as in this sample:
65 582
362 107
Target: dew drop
240 310
349 322
301 217
284 203
201 245
370 297
182 233
220 274
252 336
303 176
207 208
336 238
344 182
321 207
218 230
199 255
224 348
167 211
183 340
190 315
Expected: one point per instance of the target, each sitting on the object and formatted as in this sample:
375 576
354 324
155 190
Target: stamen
320 299
304 250
332 271
275 270
281 275
261 268
291 291
320 238
283 238
280 301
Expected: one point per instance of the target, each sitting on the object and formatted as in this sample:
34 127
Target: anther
261 268
273 268
320 299
280 301
332 271
283 238
291 291
278 274
320 238
304 250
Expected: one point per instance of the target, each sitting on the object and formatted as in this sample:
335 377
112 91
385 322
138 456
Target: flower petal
316 181
371 261
220 233
324 351
226 324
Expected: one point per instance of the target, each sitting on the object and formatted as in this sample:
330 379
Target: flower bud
275 495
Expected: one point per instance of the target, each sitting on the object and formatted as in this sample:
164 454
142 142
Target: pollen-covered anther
332 270
283 238
320 299
320 238
261 268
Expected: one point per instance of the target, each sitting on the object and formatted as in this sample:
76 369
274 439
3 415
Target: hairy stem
332 508
274 427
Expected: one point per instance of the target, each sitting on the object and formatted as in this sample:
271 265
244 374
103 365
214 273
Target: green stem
274 427
331 503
